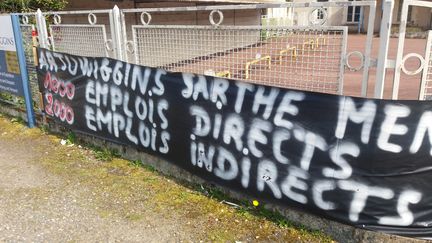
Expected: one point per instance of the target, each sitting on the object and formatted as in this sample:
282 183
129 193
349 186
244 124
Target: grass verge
131 191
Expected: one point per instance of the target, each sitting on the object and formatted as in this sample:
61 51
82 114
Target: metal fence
91 39
402 72
426 84
309 48
308 59
87 38
28 33
278 51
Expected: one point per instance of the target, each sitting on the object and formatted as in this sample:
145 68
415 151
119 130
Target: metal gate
28 31
424 70
79 39
270 56
79 33
309 55
426 82
306 49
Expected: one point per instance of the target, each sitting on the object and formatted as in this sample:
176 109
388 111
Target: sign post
13 69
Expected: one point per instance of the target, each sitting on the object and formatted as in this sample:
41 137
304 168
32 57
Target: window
320 11
399 14
399 10
353 14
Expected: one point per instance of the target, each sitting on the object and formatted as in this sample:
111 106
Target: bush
16 6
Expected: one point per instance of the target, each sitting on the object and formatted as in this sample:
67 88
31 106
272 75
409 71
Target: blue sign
10 74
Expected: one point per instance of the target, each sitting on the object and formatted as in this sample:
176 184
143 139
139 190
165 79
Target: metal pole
426 67
123 36
342 60
112 30
23 70
383 48
400 48
360 22
116 33
368 48
42 30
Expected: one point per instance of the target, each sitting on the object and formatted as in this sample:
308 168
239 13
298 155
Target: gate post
116 33
368 49
23 70
385 30
399 53
424 78
41 29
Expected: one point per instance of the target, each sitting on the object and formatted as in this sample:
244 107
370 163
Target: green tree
17 6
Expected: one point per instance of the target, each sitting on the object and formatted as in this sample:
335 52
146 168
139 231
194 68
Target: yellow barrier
293 55
248 64
225 74
310 43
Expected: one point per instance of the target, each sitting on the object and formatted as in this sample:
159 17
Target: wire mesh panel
300 58
28 43
426 87
27 38
84 40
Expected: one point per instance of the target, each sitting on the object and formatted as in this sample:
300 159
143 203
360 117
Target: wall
378 16
336 17
366 12
239 17
421 17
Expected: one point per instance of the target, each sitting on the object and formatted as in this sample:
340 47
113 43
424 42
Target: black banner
363 162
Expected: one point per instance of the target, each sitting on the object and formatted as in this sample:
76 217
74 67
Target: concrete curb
412 35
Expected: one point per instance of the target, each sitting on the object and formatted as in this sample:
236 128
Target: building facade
356 18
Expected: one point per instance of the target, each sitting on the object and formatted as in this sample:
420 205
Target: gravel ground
36 205
56 193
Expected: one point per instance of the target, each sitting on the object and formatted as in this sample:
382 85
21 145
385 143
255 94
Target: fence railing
401 63
309 48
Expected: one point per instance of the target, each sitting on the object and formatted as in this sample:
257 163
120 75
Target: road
51 192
